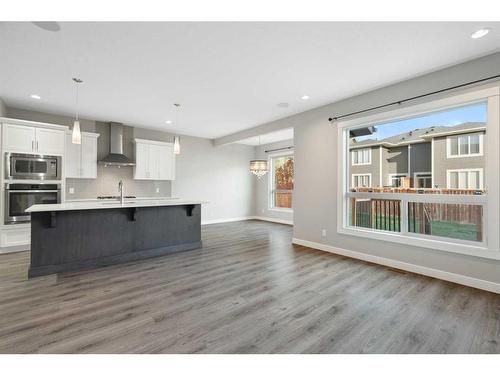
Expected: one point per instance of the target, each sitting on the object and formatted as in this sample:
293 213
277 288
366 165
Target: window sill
290 210
464 156
417 241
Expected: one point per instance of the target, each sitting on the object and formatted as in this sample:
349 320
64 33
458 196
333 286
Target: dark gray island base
75 239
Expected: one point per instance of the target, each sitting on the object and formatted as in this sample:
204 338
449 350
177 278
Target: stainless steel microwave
32 167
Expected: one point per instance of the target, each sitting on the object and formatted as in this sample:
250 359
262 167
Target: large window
281 181
465 178
362 157
396 180
427 195
465 145
361 180
423 180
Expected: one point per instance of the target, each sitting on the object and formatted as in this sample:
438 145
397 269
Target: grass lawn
438 228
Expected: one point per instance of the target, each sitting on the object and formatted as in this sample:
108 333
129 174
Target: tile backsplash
106 183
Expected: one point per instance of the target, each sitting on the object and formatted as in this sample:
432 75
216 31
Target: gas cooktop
116 197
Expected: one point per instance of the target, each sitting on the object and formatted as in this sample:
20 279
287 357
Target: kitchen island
80 235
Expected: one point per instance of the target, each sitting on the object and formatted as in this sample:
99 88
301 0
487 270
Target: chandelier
259 166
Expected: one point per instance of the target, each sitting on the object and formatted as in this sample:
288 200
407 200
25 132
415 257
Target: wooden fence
283 199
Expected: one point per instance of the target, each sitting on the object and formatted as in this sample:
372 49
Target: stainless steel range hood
116 156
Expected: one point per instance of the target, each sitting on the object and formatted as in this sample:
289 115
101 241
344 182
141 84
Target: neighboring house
433 157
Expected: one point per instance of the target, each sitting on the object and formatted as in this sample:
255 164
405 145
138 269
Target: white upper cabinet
33 140
167 162
49 141
154 160
89 155
19 138
141 168
73 160
81 160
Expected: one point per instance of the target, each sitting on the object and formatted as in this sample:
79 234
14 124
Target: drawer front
15 236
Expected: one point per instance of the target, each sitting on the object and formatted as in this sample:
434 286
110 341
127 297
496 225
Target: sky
453 117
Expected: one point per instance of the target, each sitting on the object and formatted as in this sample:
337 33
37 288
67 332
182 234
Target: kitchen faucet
120 189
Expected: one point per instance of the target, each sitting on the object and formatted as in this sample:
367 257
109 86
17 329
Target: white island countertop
101 205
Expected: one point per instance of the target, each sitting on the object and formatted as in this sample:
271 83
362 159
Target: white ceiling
264 139
227 76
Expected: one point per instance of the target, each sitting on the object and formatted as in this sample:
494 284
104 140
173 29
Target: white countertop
101 205
111 200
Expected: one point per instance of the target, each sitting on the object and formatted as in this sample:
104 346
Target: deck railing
405 209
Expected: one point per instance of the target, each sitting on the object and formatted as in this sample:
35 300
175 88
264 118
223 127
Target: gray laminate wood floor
247 291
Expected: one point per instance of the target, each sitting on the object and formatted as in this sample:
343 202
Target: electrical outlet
72 190
157 189
263 210
323 233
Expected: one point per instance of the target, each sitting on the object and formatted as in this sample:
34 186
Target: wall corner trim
431 272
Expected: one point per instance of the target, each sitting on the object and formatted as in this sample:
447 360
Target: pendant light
177 140
76 135
259 167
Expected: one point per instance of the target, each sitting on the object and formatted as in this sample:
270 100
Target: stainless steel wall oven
19 197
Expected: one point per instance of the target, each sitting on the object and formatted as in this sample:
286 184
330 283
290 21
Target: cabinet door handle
37 145
32 145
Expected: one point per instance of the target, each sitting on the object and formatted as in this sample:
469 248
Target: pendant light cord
177 108
77 83
76 101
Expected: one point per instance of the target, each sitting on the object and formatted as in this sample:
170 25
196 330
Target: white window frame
468 170
390 176
417 175
468 155
270 195
361 175
361 150
489 248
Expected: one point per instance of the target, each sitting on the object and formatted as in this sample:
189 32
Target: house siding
394 161
373 168
420 159
442 163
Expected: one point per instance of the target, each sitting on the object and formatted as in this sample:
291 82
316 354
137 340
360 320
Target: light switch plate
157 189
72 190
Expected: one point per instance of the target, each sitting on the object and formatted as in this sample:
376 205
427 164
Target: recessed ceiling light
168 122
480 33
35 96
304 97
283 105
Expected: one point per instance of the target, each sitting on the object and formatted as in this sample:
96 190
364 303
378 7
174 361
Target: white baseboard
14 249
432 272
280 221
242 218
226 220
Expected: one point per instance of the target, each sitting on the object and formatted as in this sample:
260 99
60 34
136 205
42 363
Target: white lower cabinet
154 160
81 160
15 235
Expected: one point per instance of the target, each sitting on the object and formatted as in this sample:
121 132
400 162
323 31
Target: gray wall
442 163
216 174
395 161
316 163
219 175
3 108
420 158
262 186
